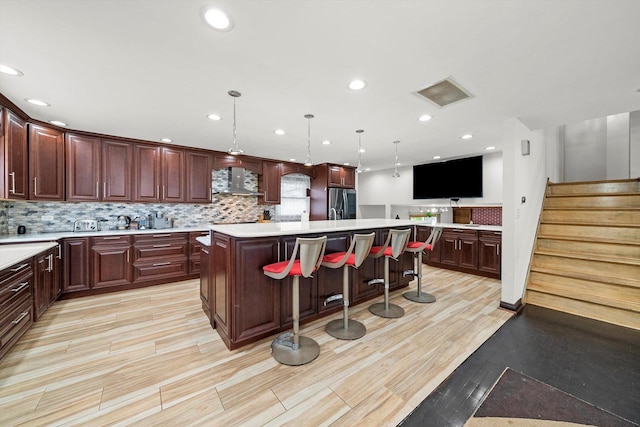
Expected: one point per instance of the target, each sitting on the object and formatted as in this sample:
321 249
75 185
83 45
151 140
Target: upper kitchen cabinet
159 174
289 168
269 183
46 163
97 170
341 176
198 177
222 161
14 157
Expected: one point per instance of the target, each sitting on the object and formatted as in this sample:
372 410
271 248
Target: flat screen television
461 178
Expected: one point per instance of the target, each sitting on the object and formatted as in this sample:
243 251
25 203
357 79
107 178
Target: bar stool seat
291 348
345 328
418 248
393 247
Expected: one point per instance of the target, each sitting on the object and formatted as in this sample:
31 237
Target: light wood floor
149 357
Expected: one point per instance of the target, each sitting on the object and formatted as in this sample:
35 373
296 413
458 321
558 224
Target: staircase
586 259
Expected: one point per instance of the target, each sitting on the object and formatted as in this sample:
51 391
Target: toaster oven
85 225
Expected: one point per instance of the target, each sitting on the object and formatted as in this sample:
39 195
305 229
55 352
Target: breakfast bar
244 305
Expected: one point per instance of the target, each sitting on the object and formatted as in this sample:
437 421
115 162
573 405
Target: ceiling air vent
445 92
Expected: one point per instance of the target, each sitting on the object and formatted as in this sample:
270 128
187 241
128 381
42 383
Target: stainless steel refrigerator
342 203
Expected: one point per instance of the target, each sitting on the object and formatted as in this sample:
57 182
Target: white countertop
12 254
49 237
267 229
205 240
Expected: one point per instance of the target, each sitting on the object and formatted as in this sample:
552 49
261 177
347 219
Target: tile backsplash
60 216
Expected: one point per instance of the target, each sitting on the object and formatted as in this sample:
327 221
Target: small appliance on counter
85 225
123 222
157 220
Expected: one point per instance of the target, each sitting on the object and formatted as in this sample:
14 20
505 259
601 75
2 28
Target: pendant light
359 168
308 162
234 150
396 174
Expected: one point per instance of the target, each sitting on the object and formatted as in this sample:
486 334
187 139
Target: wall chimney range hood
236 184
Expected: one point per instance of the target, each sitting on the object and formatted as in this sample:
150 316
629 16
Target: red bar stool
393 247
345 328
291 348
417 248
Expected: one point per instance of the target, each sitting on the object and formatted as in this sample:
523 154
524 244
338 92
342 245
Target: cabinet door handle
128 250
35 185
498 249
19 319
59 252
162 246
160 264
19 268
157 236
278 251
50 261
13 183
163 192
20 287
97 189
104 189
111 238
158 191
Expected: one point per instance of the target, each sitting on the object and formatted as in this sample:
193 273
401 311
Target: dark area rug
517 399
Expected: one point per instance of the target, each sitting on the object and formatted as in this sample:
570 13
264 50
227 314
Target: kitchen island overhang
244 305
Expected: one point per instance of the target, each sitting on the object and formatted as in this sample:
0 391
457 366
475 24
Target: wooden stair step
599 233
567 244
584 274
617 316
622 200
619 217
591 187
589 256
586 290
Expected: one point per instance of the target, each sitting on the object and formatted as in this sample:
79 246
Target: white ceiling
153 69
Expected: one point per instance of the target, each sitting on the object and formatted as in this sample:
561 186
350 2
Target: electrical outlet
46 218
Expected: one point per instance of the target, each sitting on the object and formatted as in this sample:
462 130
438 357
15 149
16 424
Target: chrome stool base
353 331
392 312
307 351
421 297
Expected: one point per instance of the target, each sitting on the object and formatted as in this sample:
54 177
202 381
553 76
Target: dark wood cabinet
158 174
289 168
341 176
75 264
489 257
46 163
110 261
160 256
466 250
330 279
308 304
15 157
221 161
172 163
194 251
206 282
97 170
269 183
198 177
47 281
16 303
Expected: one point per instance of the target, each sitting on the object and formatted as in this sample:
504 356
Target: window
293 197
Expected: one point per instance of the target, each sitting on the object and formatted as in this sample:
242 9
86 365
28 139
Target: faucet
335 214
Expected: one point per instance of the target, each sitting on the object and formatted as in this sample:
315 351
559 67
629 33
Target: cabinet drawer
155 237
159 250
159 270
15 324
19 268
111 240
490 234
14 291
461 232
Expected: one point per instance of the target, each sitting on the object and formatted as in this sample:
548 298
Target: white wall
379 188
523 176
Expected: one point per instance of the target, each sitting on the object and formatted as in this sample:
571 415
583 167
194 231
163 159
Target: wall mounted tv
461 178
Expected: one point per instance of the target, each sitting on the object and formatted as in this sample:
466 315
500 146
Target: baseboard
516 307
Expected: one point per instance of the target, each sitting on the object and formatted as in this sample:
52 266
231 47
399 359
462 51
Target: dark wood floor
594 361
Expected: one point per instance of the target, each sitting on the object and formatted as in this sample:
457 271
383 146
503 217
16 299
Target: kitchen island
244 305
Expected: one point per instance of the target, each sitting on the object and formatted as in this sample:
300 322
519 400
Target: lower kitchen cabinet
206 282
160 256
16 303
75 265
194 251
110 261
489 258
47 286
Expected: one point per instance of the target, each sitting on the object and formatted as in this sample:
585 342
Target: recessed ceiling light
424 118
357 84
326 142
490 148
217 19
367 169
214 116
166 140
10 70
292 160
279 132
467 136
398 164
346 163
361 150
57 123
37 102
436 157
